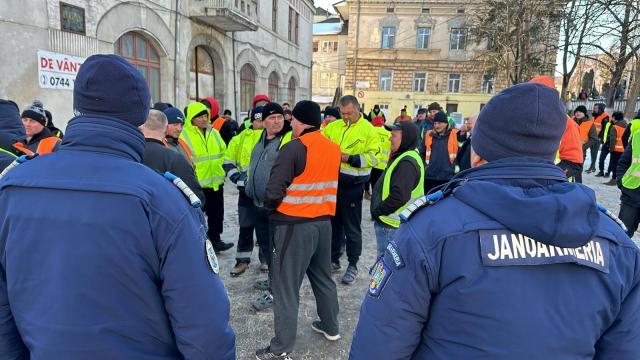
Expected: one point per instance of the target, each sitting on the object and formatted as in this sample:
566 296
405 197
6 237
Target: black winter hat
618 116
582 109
440 117
527 119
422 111
434 106
270 109
256 113
307 112
36 112
333 112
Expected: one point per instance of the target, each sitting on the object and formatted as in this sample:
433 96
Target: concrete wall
28 26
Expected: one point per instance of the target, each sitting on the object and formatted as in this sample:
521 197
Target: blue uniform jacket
516 263
102 258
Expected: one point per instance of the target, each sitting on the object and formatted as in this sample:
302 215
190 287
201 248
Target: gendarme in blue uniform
525 266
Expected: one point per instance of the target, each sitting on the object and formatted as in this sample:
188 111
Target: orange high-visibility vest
452 145
45 146
218 123
313 193
619 147
585 127
598 122
184 147
570 147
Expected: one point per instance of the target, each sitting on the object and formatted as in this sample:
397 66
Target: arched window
273 86
141 53
247 86
201 75
292 91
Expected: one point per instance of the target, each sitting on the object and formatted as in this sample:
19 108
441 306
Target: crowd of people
129 268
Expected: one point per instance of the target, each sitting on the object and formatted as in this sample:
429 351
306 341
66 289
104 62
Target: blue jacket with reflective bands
515 263
102 258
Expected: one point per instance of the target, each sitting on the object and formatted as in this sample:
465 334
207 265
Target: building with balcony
329 54
411 53
186 49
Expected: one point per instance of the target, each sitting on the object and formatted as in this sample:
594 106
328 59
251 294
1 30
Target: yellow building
409 54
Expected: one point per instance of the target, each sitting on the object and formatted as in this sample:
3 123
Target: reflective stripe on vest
631 178
313 193
417 192
618 146
452 146
597 121
206 159
218 123
8 152
605 138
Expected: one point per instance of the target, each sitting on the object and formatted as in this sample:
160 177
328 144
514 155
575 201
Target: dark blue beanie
108 85
524 120
174 116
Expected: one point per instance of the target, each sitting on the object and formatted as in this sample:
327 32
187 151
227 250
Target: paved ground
253 329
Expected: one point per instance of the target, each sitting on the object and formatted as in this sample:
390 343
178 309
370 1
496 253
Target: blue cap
174 116
108 85
527 119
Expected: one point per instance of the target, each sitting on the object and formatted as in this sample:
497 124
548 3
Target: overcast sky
325 4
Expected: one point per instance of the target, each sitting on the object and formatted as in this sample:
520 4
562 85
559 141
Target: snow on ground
254 329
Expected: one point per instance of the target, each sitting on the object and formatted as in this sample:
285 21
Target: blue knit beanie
174 116
108 85
524 120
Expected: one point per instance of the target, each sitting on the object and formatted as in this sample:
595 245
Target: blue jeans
384 234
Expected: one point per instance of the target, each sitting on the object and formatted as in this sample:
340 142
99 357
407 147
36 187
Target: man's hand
345 158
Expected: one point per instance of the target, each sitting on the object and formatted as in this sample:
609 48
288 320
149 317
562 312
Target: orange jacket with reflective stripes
45 146
570 146
619 147
452 145
313 193
217 124
585 127
597 121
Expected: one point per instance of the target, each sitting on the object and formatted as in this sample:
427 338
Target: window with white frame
416 107
329 46
419 81
454 83
458 39
488 81
385 109
386 77
388 37
422 38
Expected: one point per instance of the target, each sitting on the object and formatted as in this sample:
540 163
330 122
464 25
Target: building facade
411 53
329 54
186 49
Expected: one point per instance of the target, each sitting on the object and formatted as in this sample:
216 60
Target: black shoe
317 327
335 267
611 182
607 174
600 174
266 354
350 275
589 171
222 246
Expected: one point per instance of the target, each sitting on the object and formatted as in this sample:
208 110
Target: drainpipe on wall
235 90
355 60
175 57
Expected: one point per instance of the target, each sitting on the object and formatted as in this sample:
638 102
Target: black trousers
604 152
430 184
593 148
347 223
630 216
247 217
299 249
572 170
373 179
613 163
262 235
214 208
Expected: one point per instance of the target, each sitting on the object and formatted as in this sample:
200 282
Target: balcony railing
226 15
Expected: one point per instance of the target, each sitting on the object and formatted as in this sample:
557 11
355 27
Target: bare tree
634 92
516 34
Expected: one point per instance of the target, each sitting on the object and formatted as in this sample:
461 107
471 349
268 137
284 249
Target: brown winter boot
239 269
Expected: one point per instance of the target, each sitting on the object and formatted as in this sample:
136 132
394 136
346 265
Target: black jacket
404 178
162 159
35 140
463 159
629 197
11 131
228 130
290 163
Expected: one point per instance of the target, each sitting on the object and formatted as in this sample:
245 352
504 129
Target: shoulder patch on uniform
210 253
184 188
392 249
504 248
419 204
380 275
605 211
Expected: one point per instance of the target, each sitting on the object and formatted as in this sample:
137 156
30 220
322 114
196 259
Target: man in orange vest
588 133
616 148
301 196
39 138
600 121
440 150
